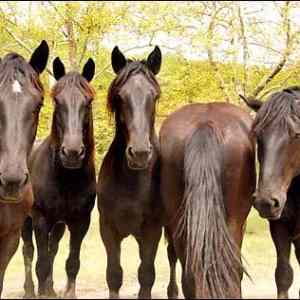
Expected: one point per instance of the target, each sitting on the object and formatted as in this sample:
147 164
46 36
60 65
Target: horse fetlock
145 293
172 290
114 295
70 291
283 277
29 289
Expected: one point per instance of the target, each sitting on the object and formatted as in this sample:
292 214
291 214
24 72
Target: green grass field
258 251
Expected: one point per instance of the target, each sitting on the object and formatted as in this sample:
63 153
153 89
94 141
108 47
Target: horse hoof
51 294
283 295
30 295
172 296
70 295
114 295
172 292
145 295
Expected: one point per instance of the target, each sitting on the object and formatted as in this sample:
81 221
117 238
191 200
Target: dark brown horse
21 97
207 181
63 179
277 129
128 187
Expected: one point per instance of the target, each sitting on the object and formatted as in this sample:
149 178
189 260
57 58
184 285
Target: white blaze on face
16 87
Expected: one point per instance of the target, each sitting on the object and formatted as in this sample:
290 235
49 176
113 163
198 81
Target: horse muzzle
139 158
12 187
269 206
72 158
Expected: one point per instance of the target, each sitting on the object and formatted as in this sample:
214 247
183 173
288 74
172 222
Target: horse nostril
81 151
26 179
2 182
63 151
275 202
130 152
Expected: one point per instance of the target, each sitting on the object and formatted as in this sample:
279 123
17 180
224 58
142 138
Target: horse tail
211 255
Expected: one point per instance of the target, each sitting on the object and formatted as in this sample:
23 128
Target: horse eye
37 109
297 135
89 105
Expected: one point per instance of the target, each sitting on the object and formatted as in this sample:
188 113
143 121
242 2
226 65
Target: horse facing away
63 179
207 158
128 185
277 129
21 97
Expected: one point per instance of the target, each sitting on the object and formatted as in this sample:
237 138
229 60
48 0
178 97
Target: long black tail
211 254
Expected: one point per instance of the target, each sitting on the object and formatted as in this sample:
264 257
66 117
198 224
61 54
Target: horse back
238 151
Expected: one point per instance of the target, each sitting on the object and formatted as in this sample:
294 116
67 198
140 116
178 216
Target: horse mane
280 109
71 79
132 67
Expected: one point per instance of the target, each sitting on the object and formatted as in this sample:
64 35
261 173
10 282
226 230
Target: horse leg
43 267
114 272
188 284
78 230
28 251
172 257
55 236
297 251
8 247
148 244
284 272
236 229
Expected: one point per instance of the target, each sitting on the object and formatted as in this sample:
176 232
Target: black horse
21 97
277 129
63 178
128 187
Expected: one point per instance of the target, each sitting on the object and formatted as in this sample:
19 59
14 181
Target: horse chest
66 202
127 209
11 218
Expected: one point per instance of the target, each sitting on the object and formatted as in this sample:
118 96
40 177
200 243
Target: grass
258 251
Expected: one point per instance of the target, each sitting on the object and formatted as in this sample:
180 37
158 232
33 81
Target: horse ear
254 104
58 68
88 71
154 60
118 60
39 57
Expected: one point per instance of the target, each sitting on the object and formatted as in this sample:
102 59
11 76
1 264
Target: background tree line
212 51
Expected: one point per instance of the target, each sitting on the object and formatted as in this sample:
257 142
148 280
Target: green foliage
76 31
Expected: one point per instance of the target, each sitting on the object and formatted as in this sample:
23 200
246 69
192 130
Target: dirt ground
264 290
258 251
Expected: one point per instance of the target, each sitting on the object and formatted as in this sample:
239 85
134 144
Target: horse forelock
16 72
133 67
70 80
281 109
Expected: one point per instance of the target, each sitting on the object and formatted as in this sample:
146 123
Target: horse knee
43 267
188 286
28 251
283 275
114 277
146 275
72 267
171 254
